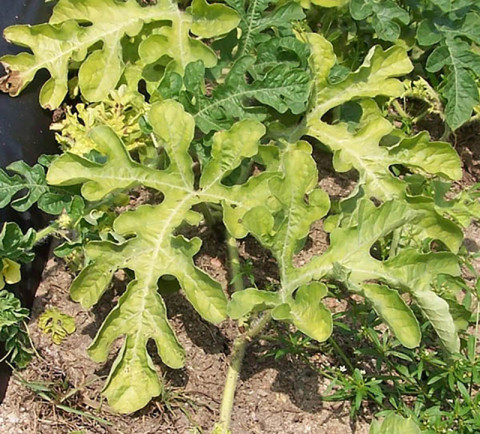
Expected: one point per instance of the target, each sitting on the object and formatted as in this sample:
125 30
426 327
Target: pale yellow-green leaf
307 311
152 248
395 312
212 19
306 4
57 324
282 227
9 273
438 313
249 300
364 147
394 424
202 19
66 43
348 258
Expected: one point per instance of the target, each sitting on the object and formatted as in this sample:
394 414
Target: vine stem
209 219
233 373
45 232
240 344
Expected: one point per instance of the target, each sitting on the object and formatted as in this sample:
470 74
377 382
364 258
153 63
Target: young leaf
386 16
57 324
123 111
12 331
256 17
16 246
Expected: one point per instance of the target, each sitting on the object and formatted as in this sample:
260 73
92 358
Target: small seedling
56 324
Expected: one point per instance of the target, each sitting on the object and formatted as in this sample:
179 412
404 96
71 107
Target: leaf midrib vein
239 95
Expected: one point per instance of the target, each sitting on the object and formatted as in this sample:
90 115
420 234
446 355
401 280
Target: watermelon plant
215 109
442 38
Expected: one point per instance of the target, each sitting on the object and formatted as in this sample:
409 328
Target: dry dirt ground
273 397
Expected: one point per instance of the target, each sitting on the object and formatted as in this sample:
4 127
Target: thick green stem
240 344
238 354
234 262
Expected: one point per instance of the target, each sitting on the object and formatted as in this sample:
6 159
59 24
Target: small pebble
13 419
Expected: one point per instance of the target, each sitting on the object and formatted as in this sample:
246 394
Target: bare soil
272 397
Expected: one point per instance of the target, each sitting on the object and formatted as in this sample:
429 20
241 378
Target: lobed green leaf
152 249
88 35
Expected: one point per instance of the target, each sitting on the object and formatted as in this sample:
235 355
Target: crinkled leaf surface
15 245
15 248
446 30
282 227
152 248
89 34
13 336
57 324
277 206
454 36
386 16
348 260
300 204
11 309
175 42
277 78
409 271
32 181
365 147
259 16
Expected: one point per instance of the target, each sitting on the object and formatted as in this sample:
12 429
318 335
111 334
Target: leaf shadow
107 302
293 378
201 333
